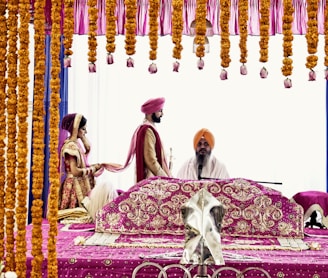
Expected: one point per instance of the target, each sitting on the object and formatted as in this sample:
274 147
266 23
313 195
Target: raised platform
254 257
141 234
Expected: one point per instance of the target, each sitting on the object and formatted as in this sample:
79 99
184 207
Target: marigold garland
111 25
11 165
200 19
225 33
153 28
177 28
92 38
3 97
68 26
130 26
243 29
287 37
54 176
22 147
264 30
312 33
38 138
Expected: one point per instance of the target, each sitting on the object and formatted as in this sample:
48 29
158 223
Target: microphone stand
200 168
204 178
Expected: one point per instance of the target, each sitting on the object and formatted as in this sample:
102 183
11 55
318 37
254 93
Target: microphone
200 168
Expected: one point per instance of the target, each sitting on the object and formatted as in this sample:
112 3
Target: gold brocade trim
312 33
130 26
111 25
68 26
243 31
92 38
153 28
38 136
224 247
54 176
264 30
10 192
22 142
287 18
225 33
200 19
177 27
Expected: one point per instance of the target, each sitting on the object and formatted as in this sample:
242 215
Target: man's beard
202 158
155 119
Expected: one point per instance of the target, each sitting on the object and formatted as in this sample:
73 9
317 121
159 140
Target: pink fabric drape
213 15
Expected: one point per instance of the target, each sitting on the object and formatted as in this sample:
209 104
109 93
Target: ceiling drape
189 7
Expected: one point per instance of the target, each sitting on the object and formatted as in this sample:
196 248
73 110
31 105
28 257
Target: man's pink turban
207 135
153 105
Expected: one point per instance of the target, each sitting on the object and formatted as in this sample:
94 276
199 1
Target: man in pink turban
203 165
146 144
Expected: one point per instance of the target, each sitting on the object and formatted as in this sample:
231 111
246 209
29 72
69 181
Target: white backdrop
263 131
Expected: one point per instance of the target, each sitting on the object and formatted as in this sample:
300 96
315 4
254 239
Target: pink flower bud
130 62
224 74
312 75
176 66
264 73
288 83
67 62
200 64
152 68
92 67
110 59
243 70
326 73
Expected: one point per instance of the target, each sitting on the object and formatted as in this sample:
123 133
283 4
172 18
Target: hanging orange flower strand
200 39
264 35
68 31
110 30
225 40
130 30
243 33
92 39
153 34
312 37
177 29
287 44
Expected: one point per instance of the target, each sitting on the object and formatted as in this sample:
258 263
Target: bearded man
203 165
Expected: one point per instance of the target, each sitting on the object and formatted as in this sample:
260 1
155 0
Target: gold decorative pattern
154 207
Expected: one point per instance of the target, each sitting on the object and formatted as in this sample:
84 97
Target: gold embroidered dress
74 188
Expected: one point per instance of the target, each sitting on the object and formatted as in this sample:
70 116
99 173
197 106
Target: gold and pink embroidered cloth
153 206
